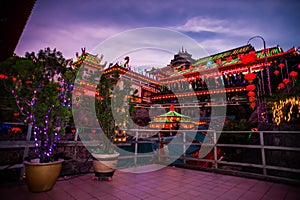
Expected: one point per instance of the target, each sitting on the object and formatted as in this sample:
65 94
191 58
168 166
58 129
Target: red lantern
251 94
16 114
250 77
293 74
3 76
280 86
250 87
298 66
286 80
276 72
252 105
249 58
251 99
281 65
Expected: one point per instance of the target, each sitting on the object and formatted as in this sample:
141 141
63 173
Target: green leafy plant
41 86
111 109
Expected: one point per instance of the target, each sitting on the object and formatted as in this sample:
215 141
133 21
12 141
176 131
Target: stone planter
105 165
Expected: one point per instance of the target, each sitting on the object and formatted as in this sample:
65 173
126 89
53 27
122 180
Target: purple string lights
48 126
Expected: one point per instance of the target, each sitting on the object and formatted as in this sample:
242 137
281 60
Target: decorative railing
272 155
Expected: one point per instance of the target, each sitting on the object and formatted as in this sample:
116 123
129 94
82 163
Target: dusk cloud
216 25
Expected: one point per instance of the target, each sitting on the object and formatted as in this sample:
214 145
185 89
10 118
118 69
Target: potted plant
111 105
41 84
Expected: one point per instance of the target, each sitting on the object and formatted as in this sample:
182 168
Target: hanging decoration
286 81
250 87
252 105
276 72
293 74
250 77
281 86
251 94
286 110
251 99
249 58
281 66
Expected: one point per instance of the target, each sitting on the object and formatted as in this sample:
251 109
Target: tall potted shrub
112 118
41 85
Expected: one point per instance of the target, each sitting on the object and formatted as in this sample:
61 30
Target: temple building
242 75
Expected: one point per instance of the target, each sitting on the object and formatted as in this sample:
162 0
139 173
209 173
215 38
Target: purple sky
217 26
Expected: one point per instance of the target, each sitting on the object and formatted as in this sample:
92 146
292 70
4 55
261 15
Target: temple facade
195 82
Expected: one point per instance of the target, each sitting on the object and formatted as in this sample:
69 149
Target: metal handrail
214 144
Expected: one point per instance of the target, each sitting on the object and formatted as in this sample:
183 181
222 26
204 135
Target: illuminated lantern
293 74
298 66
286 80
252 105
251 94
249 58
251 99
3 76
281 86
73 130
276 72
17 114
281 65
250 77
250 87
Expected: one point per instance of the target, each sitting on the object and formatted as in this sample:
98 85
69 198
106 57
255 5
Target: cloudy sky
215 25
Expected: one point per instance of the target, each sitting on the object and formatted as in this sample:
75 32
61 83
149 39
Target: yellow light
280 112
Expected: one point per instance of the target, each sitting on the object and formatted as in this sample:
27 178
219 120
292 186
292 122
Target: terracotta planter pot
42 177
105 164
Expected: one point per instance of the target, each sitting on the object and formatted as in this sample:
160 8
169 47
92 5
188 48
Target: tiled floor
167 183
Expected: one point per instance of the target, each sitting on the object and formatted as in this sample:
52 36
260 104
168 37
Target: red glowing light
293 74
253 105
16 114
172 108
250 77
250 87
281 65
251 94
251 99
249 58
276 72
3 76
286 80
281 86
